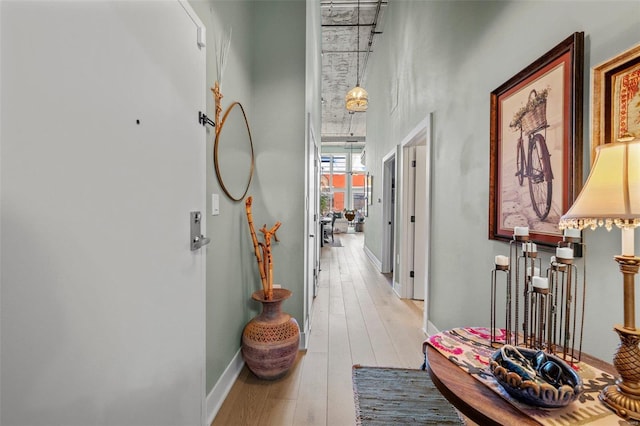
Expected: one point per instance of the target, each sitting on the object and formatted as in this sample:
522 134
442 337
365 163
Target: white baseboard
304 339
397 289
373 258
431 329
223 386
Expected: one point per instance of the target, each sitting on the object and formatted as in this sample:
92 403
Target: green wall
265 71
447 56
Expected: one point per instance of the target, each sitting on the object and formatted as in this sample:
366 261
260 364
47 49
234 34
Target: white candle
502 260
572 232
627 242
521 231
564 252
536 271
529 247
540 282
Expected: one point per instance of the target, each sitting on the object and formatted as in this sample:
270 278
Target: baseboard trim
431 329
372 257
222 388
304 339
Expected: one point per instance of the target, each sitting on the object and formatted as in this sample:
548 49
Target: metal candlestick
541 318
568 304
514 253
552 317
507 319
526 261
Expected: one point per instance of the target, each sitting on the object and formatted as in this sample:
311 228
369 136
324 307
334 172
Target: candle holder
552 307
497 341
524 255
541 317
568 302
514 253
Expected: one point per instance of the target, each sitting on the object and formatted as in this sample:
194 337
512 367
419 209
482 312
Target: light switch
215 205
202 37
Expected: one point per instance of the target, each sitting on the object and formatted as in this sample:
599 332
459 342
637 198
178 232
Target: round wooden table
474 399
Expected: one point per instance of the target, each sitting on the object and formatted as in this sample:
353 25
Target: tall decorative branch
222 44
217 96
268 259
263 251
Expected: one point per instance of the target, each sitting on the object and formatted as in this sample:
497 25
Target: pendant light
357 99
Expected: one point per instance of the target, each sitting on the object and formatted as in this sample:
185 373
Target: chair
329 230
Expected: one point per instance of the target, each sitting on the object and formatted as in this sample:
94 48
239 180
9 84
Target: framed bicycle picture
616 99
536 145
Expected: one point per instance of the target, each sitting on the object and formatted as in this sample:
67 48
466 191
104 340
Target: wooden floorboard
356 319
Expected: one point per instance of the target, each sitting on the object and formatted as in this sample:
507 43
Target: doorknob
196 238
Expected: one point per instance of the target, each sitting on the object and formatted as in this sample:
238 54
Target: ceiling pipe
348 4
374 24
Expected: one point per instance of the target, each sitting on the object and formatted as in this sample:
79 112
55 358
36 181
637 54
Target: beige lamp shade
611 194
357 99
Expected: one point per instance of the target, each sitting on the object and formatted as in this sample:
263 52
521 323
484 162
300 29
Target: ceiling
343 55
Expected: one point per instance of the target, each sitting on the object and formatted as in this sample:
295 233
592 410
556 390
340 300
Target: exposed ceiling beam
343 138
346 51
351 3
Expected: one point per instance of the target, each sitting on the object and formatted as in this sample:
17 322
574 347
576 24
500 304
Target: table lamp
611 196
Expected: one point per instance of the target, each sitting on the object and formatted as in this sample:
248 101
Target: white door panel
420 242
102 161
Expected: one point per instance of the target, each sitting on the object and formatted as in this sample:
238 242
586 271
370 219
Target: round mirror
233 153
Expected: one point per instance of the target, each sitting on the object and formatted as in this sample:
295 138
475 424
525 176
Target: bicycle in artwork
533 160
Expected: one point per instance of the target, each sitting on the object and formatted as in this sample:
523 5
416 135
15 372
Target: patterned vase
270 340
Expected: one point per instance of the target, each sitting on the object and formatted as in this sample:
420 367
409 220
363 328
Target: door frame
389 168
312 228
419 135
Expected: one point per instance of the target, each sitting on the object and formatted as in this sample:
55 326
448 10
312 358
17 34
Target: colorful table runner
469 348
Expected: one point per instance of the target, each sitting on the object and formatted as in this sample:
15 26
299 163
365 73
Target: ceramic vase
270 341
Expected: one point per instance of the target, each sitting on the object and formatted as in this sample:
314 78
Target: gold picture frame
616 98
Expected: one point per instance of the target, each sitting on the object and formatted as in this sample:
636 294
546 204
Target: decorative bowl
535 377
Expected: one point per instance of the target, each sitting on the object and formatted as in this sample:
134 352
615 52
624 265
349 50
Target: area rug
336 242
399 396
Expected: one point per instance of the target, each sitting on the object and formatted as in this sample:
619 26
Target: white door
415 194
420 237
312 225
388 211
416 208
318 229
102 162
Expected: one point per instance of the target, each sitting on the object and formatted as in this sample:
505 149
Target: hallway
357 319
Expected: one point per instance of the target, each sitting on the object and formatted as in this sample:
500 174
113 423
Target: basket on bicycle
532 116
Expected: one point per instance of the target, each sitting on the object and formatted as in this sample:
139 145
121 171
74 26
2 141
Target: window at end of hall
342 184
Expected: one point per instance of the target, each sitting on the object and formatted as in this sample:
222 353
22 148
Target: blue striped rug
399 396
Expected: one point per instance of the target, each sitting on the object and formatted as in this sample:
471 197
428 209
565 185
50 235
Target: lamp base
624 396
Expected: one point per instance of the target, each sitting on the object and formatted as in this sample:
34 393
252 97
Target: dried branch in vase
263 251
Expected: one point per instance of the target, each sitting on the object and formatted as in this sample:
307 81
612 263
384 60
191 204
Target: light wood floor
356 319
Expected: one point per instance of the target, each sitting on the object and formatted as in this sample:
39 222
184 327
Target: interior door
388 212
420 239
102 162
318 241
312 224
415 223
